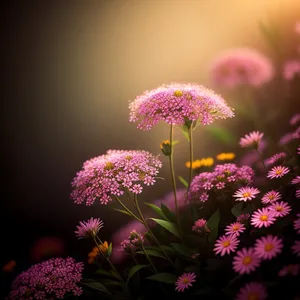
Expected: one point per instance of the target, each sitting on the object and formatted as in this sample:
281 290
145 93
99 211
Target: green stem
149 259
171 160
191 156
143 221
128 210
107 259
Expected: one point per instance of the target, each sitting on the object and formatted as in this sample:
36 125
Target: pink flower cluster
50 279
243 66
222 176
200 226
110 174
175 103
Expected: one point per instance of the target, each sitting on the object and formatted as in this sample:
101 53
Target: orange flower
95 252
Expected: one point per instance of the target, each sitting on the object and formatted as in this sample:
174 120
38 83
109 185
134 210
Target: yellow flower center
271 197
128 157
247 194
185 280
279 208
269 247
263 218
178 93
109 166
226 243
279 172
247 260
235 227
253 296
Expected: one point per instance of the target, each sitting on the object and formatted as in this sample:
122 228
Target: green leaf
169 215
164 277
105 273
213 221
175 143
185 133
212 236
180 249
109 250
134 270
95 285
122 211
169 250
156 209
222 134
152 253
112 282
183 181
247 209
237 209
171 227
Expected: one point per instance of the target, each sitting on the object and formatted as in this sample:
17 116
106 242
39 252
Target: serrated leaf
213 221
163 277
222 134
171 227
183 181
237 209
95 285
152 253
122 211
134 270
169 215
156 209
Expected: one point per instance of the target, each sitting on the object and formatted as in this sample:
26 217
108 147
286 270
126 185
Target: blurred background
69 71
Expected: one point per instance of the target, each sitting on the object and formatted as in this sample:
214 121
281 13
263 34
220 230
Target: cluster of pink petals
242 66
245 261
89 228
275 159
291 68
235 229
270 197
278 172
289 270
175 103
226 174
295 119
200 226
252 290
50 279
243 218
251 140
226 244
280 209
297 225
268 247
262 218
112 173
296 248
296 180
185 281
246 193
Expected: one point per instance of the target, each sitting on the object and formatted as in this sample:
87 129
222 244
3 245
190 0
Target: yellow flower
226 156
93 254
195 164
166 147
207 162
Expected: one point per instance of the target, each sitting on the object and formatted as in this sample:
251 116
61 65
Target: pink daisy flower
289 270
226 244
296 248
276 158
268 247
251 140
280 209
185 281
262 218
89 228
245 261
200 226
243 218
246 193
235 229
296 180
297 225
252 291
278 172
271 196
241 66
175 102
298 194
286 138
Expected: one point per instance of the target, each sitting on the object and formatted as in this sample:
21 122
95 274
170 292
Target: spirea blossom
221 177
235 229
291 68
200 226
185 281
246 193
270 197
226 244
268 247
278 172
175 103
252 290
243 218
262 218
296 248
251 140
242 66
280 209
245 261
50 279
109 175
89 228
